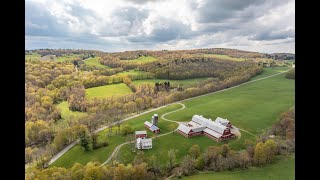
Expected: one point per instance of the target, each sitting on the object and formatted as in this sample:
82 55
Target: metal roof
222 121
153 128
141 132
148 124
185 129
212 133
209 124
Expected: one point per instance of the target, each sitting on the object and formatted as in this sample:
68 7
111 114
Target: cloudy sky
119 25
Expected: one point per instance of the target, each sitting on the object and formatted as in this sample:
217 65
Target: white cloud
114 25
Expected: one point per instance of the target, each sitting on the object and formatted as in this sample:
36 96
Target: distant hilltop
281 56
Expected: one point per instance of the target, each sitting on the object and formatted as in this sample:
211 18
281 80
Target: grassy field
225 57
252 107
108 91
269 71
67 114
77 154
131 72
142 59
33 56
184 83
283 169
95 62
67 58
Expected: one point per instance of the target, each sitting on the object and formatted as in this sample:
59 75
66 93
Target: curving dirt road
163 115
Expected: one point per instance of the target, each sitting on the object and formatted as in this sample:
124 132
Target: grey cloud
273 35
40 22
142 1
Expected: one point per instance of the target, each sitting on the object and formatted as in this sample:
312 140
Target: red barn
141 134
202 126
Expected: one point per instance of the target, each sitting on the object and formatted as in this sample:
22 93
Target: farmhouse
217 130
144 143
154 125
141 134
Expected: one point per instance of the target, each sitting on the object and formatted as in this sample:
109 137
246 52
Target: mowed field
142 59
131 72
183 83
108 91
65 58
95 62
225 57
252 107
284 169
33 56
67 115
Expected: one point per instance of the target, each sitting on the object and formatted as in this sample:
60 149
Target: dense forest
49 83
278 140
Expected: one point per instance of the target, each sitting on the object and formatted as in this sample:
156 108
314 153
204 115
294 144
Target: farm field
108 91
94 62
33 56
142 59
132 72
67 58
184 83
252 107
66 113
225 57
269 71
283 169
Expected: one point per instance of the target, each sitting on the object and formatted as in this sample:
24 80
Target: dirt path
163 115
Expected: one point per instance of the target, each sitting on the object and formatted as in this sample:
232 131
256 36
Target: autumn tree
194 151
188 165
172 157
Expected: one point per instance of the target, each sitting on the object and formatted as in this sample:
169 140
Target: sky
266 26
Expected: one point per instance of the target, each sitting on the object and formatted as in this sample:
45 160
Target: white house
144 143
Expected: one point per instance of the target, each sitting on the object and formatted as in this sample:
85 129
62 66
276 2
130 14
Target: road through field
54 158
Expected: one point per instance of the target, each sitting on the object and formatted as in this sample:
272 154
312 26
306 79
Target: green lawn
131 72
94 62
269 71
66 113
225 57
284 169
184 83
33 56
67 58
77 154
142 59
108 91
252 107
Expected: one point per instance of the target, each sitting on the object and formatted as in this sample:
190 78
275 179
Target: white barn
203 126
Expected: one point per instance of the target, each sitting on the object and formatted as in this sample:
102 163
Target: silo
155 119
